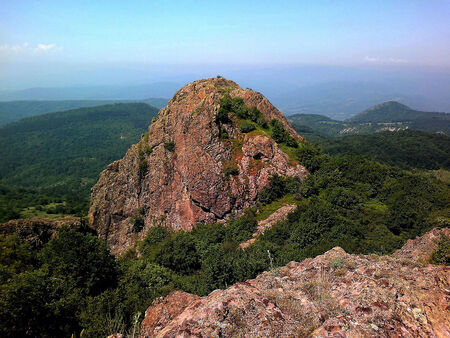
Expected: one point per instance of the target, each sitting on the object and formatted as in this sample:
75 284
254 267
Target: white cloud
25 47
381 60
41 47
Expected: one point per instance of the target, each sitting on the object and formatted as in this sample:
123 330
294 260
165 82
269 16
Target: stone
311 299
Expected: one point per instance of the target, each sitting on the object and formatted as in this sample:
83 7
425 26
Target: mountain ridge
386 116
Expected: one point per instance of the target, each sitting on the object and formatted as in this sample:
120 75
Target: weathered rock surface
421 248
38 231
189 185
332 295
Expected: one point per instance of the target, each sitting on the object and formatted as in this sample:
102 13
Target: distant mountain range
136 92
11 111
388 116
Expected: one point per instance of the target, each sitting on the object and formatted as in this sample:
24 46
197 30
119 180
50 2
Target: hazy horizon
394 49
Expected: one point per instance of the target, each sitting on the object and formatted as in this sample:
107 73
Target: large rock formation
332 295
179 173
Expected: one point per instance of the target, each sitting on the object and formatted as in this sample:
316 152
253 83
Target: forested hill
393 111
389 116
405 149
11 111
69 149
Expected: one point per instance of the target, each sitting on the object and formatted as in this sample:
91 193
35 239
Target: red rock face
332 295
189 185
421 248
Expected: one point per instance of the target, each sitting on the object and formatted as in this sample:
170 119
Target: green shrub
154 236
237 107
83 258
310 156
137 220
246 127
222 116
16 256
277 188
170 146
231 170
148 150
37 304
343 197
281 135
441 256
178 253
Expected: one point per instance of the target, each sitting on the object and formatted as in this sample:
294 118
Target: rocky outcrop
421 248
335 294
38 231
189 168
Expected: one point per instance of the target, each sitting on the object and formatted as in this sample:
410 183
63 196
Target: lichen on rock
333 295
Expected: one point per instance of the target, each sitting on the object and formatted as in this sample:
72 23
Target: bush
247 127
342 197
36 304
222 116
231 170
441 256
178 253
170 146
16 256
83 258
237 107
154 236
277 188
137 220
310 156
281 135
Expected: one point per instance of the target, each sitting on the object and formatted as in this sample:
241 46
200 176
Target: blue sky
69 35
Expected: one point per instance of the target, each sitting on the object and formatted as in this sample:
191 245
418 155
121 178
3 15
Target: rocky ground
333 295
38 231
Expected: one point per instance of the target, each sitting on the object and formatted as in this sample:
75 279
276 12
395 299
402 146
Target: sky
50 42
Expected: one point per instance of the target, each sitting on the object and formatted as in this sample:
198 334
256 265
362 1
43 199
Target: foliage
281 135
441 256
137 220
154 236
46 299
231 170
277 188
310 156
236 106
170 146
247 127
15 257
82 258
59 156
405 149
